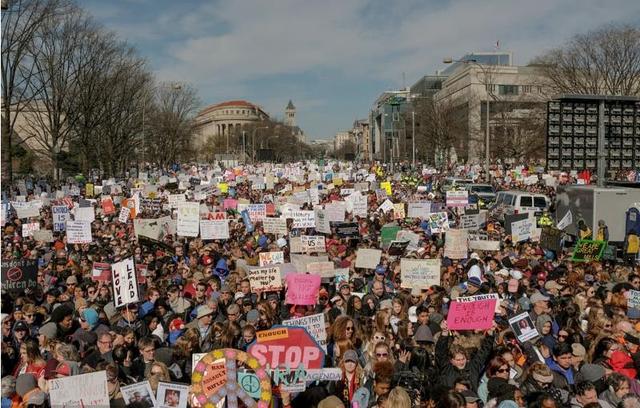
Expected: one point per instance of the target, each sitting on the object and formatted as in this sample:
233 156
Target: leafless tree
604 61
55 49
439 129
21 21
170 127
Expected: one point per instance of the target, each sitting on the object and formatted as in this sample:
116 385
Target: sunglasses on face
503 370
382 354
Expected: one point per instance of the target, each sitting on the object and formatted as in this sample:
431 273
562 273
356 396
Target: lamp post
253 142
487 155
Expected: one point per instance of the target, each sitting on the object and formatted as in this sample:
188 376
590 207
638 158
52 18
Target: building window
526 89
508 89
490 88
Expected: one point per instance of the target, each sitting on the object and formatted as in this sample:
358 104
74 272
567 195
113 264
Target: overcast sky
334 57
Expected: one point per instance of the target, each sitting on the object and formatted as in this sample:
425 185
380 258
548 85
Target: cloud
236 48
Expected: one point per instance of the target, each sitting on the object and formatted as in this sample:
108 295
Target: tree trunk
7 148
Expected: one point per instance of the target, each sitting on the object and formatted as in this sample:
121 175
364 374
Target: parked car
518 202
484 193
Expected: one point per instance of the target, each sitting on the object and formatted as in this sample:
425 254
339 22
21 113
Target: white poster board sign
188 219
419 273
79 232
84 390
314 324
125 283
214 229
368 258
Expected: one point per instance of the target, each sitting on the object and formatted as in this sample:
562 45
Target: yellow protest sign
386 186
223 187
337 182
88 188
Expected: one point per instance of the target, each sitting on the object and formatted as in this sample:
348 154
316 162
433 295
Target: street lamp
487 156
253 142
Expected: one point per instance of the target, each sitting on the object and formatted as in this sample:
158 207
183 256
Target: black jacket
472 371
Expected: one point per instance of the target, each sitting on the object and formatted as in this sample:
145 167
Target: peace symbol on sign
215 377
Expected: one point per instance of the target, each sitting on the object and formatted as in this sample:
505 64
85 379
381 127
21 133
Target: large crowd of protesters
390 340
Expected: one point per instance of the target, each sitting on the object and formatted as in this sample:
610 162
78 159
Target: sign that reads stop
287 346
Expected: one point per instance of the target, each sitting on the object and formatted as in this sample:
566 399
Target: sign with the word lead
125 283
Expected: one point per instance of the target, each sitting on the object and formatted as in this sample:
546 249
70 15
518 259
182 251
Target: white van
518 202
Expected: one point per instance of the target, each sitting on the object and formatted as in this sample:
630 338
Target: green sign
388 233
588 250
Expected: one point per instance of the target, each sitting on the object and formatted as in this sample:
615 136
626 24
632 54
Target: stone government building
228 119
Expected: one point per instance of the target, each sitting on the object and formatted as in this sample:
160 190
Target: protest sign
25 210
457 198
419 273
124 215
314 324
271 258
386 206
300 262
302 289
265 279
60 217
486 296
313 243
335 211
523 327
397 248
172 395
188 224
230 204
566 220
348 230
509 219
214 229
324 269
588 250
521 230
551 239
246 220
153 205
257 212
275 225
484 245
386 186
108 207
29 228
303 219
79 232
153 228
101 272
368 258
475 315
389 233
138 394
633 301
125 283
84 211
456 245
82 390
287 346
419 210
19 275
398 211
470 222
358 204
438 222
175 199
43 235
322 221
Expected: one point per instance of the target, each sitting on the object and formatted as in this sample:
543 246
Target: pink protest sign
477 315
230 203
302 289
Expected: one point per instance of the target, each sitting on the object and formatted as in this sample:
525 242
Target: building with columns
226 119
